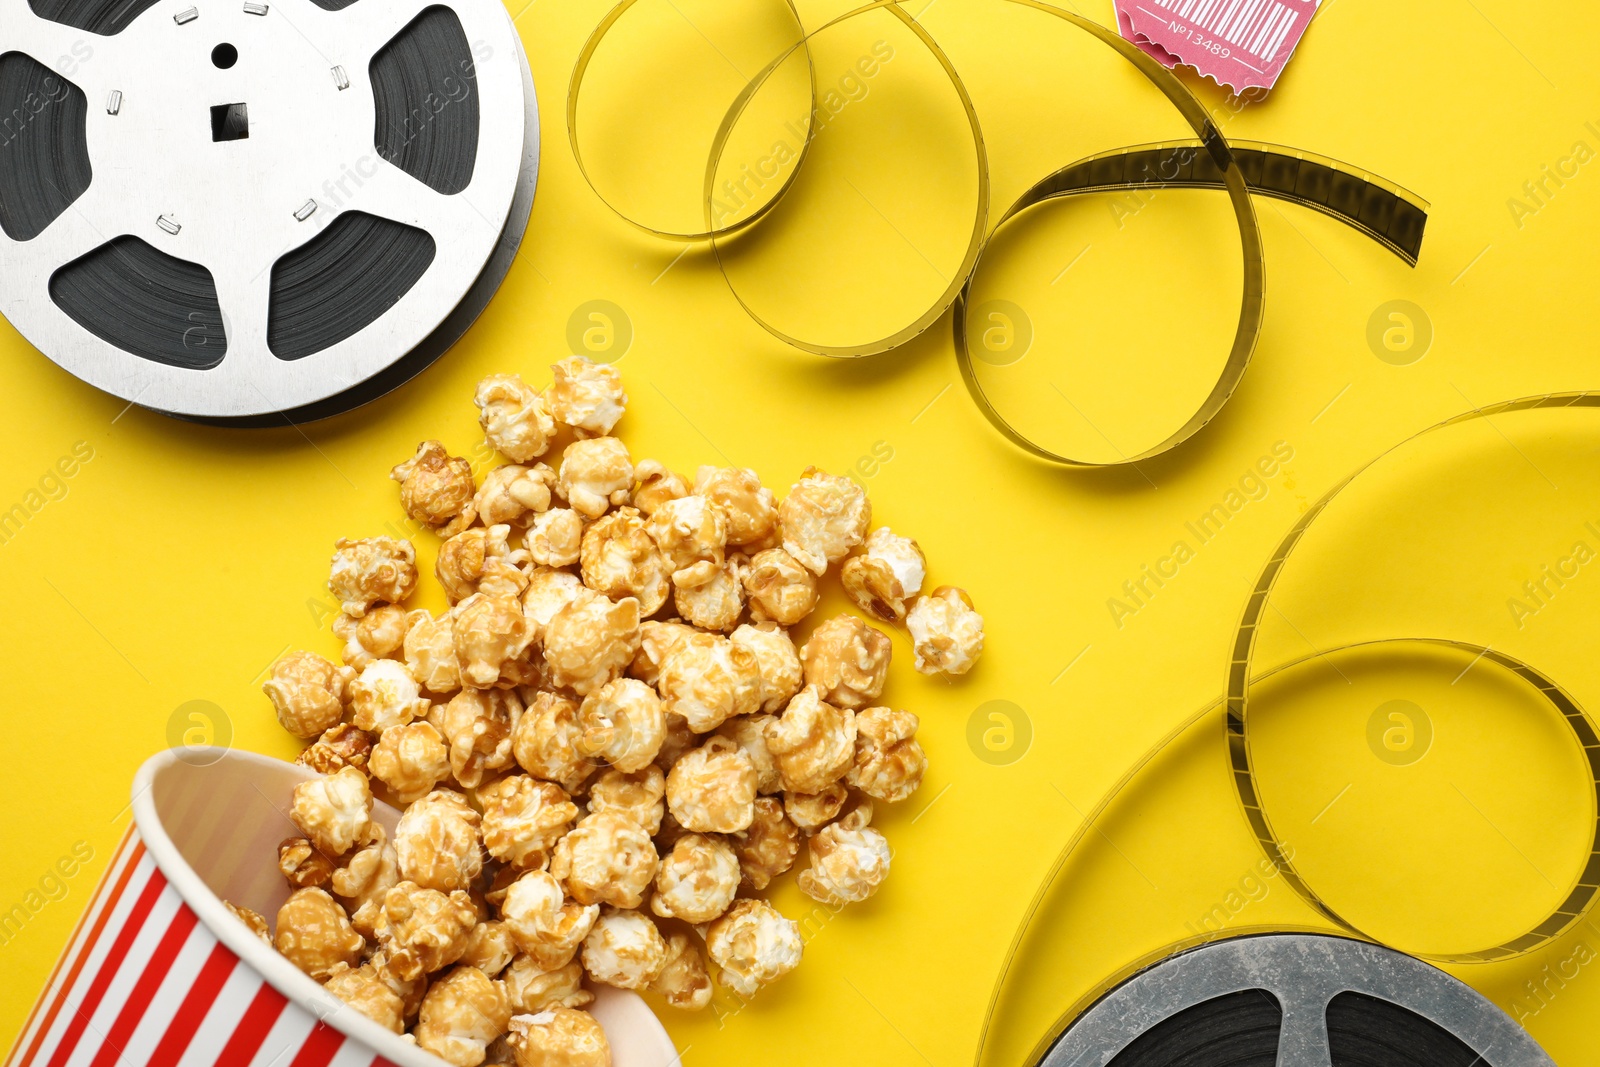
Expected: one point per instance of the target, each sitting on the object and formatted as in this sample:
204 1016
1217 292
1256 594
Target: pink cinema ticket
1242 44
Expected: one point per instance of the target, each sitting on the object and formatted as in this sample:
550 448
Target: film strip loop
1381 210
1234 709
1582 895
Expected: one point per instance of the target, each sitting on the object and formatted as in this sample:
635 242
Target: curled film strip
245 212
1579 898
1388 214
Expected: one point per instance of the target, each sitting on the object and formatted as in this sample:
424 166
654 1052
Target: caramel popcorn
302 865
364 989
620 559
378 634
514 494
849 860
425 930
462 1013
689 530
823 518
655 485
364 881
716 602
716 745
623 724
430 650
697 880
847 660
638 796
253 919
523 818
476 725
888 572
339 747
656 639
489 948
333 812
708 680
548 592
410 760
768 847
556 538
779 588
607 859
776 659
438 843
559 1037
749 732
812 811
589 642
624 949
586 396
490 632
544 926
308 693
595 474
514 420
545 742
713 788
531 988
436 488
371 570
813 741
946 632
889 761
752 946
385 695
315 935
481 560
683 982
409 990
751 511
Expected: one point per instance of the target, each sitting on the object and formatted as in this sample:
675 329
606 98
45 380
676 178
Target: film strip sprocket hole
1388 214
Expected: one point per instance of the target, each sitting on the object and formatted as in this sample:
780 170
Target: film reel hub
283 207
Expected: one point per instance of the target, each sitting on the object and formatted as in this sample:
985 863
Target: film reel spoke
50 42
1303 1039
87 224
244 296
391 193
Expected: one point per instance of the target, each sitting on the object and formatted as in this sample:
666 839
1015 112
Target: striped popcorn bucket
160 973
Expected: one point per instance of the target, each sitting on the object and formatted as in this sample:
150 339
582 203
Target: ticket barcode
1257 26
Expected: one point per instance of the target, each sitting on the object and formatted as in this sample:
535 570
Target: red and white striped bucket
160 973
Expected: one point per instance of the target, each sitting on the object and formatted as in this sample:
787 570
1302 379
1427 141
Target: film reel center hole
224 56
230 122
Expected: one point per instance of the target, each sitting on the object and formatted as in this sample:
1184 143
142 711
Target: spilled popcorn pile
607 747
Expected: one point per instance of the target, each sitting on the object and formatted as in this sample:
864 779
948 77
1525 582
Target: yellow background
182 560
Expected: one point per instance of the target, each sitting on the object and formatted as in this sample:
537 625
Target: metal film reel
240 211
1294 1000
